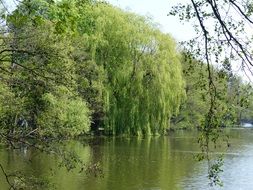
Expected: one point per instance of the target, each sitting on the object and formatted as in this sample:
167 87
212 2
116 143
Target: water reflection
139 164
238 166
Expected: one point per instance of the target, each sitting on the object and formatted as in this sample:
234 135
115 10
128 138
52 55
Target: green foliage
192 111
11 107
125 68
64 114
139 61
231 101
127 71
41 59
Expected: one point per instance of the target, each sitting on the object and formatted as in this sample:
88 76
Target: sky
158 10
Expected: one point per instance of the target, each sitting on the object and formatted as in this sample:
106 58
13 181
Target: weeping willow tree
127 71
143 83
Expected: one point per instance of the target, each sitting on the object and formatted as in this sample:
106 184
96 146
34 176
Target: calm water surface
157 163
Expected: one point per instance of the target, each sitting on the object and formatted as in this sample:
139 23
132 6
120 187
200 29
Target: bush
64 115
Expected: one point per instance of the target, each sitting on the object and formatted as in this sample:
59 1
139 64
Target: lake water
157 163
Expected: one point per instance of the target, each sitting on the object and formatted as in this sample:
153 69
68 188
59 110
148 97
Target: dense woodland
69 68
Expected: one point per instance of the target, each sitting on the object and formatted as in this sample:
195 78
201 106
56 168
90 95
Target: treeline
71 67
233 96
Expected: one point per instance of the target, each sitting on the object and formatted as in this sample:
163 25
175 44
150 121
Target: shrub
64 115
